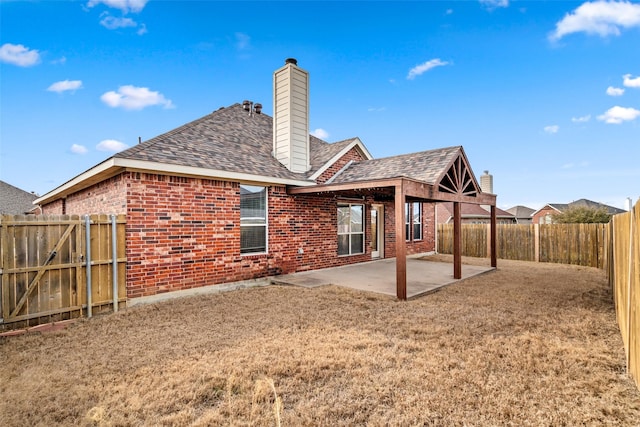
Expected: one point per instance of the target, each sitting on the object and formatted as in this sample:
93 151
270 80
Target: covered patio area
423 276
442 175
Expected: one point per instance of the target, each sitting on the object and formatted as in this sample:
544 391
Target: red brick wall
350 155
185 232
427 244
542 213
106 197
53 208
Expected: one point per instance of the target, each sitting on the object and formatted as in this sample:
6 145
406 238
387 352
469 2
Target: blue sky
544 95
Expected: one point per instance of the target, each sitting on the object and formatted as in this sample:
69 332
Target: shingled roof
229 139
426 166
15 201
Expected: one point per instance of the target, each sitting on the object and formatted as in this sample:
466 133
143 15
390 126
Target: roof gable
426 166
459 178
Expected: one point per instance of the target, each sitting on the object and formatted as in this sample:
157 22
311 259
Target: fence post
629 281
87 224
114 262
536 242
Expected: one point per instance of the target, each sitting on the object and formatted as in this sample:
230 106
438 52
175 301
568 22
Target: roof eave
113 166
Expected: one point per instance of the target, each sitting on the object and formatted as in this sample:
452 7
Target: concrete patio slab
379 276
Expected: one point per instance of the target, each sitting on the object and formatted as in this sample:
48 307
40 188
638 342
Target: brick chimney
291 116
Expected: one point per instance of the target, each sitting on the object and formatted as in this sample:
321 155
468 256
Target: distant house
522 214
14 201
238 195
545 214
472 214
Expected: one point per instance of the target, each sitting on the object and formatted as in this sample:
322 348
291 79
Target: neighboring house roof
426 166
561 207
520 211
14 201
445 212
229 143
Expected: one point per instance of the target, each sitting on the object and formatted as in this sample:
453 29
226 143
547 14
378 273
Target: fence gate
43 267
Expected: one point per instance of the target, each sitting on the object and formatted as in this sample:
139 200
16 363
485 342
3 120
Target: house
471 214
238 195
522 214
545 214
14 201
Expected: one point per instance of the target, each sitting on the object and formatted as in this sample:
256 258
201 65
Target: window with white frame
253 219
350 229
416 212
413 221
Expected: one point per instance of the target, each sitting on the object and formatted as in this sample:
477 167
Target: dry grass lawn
527 345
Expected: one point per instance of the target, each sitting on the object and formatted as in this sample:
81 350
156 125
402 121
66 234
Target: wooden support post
494 234
457 241
401 246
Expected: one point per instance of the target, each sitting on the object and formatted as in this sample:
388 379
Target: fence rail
43 267
579 244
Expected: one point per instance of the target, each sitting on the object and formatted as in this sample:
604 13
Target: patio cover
441 175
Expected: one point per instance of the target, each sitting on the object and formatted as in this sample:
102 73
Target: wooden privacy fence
579 244
623 267
43 267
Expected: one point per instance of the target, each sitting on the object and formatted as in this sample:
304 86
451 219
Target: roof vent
252 107
293 61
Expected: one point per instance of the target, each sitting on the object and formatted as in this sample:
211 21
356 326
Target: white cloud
552 129
424 67
142 30
243 41
599 17
320 133
125 6
111 145
616 115
65 85
582 119
79 149
62 60
19 55
449 11
135 98
112 23
493 4
376 109
629 81
615 91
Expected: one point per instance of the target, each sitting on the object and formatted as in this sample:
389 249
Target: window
417 220
253 219
413 221
350 229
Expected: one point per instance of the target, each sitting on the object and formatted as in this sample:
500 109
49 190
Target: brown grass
529 344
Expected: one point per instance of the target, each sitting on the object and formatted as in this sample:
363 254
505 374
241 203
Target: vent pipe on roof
291 116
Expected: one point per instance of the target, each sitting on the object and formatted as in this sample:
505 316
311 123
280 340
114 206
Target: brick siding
185 232
351 155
